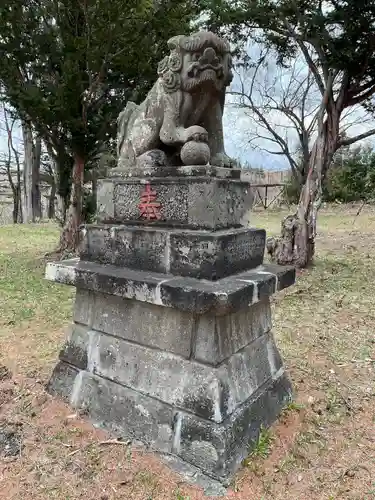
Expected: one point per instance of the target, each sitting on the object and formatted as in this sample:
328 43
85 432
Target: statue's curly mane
199 41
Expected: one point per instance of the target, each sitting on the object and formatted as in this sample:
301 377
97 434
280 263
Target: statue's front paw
196 134
222 160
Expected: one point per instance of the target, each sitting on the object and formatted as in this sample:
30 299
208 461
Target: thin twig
101 443
358 212
115 441
76 451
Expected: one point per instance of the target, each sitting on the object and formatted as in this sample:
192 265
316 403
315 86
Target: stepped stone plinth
171 341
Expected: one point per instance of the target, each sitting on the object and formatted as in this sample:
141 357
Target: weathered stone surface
218 337
249 369
144 323
194 475
284 277
124 411
216 255
62 381
171 344
171 196
199 254
195 153
171 115
218 449
266 283
212 393
186 172
159 374
137 248
190 202
105 205
84 305
243 426
74 351
188 294
215 448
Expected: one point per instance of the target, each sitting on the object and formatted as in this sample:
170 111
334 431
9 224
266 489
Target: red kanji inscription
149 209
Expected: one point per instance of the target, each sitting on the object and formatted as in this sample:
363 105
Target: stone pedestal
171 340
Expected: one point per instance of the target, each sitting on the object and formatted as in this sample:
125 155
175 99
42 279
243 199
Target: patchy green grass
323 446
180 496
262 447
32 309
24 293
293 406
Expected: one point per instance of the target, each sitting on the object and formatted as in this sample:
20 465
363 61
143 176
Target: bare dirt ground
322 447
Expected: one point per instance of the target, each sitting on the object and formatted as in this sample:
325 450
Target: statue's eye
196 56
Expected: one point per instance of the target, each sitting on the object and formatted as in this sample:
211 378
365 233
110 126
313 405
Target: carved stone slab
200 254
187 294
193 198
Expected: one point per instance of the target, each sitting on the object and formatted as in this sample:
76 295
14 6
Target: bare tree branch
361 97
15 187
308 58
352 140
275 136
11 148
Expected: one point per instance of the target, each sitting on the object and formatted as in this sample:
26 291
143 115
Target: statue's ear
174 43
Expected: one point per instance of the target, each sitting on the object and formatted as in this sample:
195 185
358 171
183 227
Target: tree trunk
28 171
94 185
16 194
17 205
60 203
35 187
61 209
52 200
20 208
19 194
69 239
296 245
31 174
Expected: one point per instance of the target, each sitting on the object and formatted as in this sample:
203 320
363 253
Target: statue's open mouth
207 69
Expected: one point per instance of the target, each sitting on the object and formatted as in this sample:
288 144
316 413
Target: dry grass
322 448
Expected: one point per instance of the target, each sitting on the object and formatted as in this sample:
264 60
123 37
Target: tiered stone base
171 343
184 368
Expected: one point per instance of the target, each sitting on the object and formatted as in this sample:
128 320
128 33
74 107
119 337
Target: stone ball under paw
195 153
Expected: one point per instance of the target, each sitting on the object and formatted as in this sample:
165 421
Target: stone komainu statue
180 121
